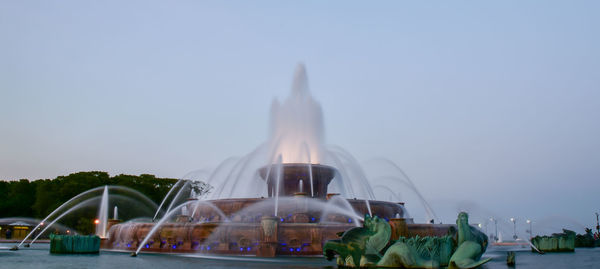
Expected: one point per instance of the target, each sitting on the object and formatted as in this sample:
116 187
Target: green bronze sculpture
370 246
558 242
471 245
418 252
359 243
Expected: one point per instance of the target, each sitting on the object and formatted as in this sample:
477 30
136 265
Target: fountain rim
262 171
241 199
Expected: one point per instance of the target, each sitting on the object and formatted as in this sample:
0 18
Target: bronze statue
370 246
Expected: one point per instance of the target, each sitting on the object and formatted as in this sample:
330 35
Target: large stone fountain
300 195
249 226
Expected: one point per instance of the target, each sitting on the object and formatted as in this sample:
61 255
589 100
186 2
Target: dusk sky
488 106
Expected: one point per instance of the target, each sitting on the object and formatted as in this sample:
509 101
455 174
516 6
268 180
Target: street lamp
530 230
486 225
597 224
514 221
496 227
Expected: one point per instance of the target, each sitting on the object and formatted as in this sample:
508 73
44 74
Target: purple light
298 249
241 249
147 246
291 249
128 245
249 248
207 247
174 246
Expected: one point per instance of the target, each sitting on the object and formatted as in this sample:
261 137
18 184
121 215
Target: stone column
112 222
223 237
268 237
316 239
398 228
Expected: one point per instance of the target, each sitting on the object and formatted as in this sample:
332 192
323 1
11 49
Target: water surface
38 256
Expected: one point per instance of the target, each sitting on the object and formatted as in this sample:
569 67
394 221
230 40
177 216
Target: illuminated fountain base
304 221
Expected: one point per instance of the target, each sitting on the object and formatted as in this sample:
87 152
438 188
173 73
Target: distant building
14 230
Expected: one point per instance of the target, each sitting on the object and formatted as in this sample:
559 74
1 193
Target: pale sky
485 104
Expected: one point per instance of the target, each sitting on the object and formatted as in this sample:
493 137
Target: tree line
38 198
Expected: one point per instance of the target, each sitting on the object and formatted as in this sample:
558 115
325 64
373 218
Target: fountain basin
299 230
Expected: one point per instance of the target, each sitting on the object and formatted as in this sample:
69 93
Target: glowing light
96 221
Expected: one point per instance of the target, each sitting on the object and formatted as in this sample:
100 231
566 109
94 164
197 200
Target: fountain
285 198
103 214
90 198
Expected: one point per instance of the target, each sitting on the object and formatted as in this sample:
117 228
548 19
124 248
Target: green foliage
37 199
18 196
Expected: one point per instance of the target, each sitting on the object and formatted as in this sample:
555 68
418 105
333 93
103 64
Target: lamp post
514 221
530 230
597 224
496 227
485 227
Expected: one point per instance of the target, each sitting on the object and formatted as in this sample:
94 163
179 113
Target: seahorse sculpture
462 247
358 243
418 252
471 245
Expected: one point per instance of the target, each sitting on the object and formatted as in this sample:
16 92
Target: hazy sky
489 105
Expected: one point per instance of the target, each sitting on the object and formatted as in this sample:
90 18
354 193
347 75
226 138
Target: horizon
498 100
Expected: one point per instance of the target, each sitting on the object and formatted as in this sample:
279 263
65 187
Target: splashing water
103 214
76 200
80 205
297 135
